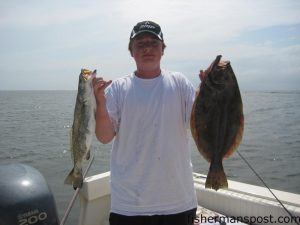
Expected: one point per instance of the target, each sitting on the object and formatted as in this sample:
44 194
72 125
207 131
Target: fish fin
69 179
237 139
194 127
71 142
76 180
88 155
216 177
195 135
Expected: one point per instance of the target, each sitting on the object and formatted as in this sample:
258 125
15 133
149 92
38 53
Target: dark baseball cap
147 27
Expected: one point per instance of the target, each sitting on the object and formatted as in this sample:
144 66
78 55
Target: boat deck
209 217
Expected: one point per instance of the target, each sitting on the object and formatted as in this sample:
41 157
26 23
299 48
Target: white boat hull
252 203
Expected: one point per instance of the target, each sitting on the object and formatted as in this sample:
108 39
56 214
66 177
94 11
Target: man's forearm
104 128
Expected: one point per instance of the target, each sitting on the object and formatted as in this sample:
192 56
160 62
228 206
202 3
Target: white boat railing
249 202
239 201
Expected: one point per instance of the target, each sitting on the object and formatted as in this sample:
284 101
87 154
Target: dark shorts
184 218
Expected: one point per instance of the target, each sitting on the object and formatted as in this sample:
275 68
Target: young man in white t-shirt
148 113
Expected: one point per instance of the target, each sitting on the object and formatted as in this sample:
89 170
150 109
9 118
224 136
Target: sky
44 44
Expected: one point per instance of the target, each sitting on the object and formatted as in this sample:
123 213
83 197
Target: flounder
217 120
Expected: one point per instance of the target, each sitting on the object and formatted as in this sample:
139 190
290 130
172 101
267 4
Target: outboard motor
25 197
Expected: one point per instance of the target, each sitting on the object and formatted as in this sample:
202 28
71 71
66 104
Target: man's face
147 51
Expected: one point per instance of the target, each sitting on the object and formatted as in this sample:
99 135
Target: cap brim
146 31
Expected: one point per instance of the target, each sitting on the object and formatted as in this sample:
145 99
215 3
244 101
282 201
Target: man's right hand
104 127
99 86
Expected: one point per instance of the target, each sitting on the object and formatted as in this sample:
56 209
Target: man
148 114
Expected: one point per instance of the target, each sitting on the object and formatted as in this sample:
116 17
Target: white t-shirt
151 170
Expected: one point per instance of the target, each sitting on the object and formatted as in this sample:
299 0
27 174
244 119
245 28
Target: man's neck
148 74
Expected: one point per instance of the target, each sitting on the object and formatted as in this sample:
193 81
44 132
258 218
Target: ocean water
34 129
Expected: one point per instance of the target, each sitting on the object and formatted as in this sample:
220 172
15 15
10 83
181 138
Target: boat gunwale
292 199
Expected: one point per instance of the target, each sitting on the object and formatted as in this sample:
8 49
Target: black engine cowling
25 197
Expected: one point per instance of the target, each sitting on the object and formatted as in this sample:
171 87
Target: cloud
48 13
49 39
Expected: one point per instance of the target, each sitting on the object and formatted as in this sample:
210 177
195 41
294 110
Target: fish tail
216 177
74 178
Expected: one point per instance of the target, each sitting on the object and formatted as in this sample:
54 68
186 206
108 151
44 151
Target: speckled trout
83 128
217 120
